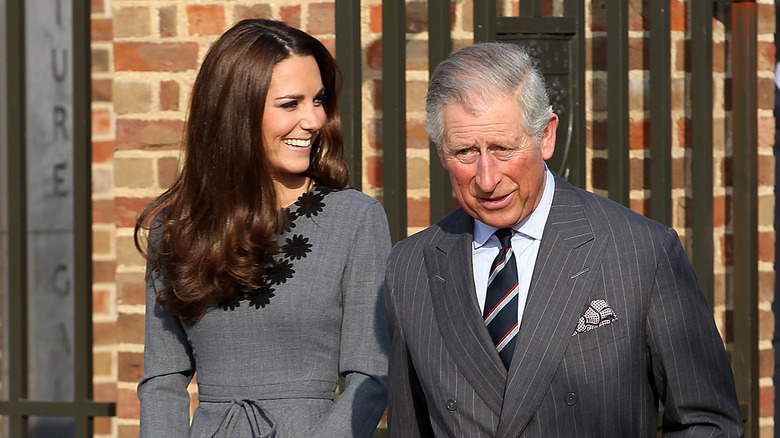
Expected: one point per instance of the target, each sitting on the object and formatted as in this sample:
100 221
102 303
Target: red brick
142 56
102 365
678 173
101 29
104 333
242 12
101 122
102 151
101 90
102 425
639 173
375 94
168 168
128 431
375 18
375 133
130 289
131 366
103 271
599 87
290 15
596 54
684 132
418 212
641 206
104 391
766 132
637 16
766 362
169 96
132 22
97 6
99 60
766 55
416 17
598 21
721 211
130 328
416 136
638 134
678 14
719 55
766 246
102 299
143 134
599 135
128 209
322 18
766 18
205 19
374 55
103 211
417 55
766 401
374 170
127 404
167 22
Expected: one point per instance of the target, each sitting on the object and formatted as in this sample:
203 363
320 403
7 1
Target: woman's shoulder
349 197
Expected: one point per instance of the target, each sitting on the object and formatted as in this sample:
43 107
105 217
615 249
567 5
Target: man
579 327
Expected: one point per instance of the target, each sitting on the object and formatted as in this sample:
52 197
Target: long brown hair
219 221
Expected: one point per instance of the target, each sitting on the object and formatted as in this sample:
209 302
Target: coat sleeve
168 365
691 370
364 342
407 409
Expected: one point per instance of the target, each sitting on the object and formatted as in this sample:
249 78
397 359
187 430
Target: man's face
496 168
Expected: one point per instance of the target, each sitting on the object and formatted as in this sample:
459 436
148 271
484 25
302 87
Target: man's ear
548 138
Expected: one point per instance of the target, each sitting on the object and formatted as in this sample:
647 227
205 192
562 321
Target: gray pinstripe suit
446 379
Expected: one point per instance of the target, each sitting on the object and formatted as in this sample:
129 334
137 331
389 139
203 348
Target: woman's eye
289 105
320 99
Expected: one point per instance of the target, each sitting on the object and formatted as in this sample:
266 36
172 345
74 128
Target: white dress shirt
526 240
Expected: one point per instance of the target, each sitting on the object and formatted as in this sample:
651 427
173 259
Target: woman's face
293 116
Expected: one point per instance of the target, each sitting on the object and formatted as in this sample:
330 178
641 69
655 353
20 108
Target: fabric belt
249 404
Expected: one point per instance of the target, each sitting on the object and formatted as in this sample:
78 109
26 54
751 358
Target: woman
264 269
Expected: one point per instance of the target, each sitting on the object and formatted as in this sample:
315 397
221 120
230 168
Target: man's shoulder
457 222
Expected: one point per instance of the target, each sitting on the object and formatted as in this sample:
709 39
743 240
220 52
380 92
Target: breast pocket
598 337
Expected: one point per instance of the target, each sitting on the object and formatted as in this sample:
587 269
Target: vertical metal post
348 55
745 203
15 305
394 114
439 46
701 248
82 218
617 103
660 113
484 20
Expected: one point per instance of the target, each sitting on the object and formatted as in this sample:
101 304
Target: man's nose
488 175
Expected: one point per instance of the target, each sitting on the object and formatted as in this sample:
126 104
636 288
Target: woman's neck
289 187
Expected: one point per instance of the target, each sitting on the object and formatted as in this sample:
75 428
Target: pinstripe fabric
446 379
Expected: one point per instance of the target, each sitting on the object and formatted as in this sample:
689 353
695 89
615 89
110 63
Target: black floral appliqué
260 297
295 248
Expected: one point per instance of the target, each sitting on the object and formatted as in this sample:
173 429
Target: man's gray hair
475 76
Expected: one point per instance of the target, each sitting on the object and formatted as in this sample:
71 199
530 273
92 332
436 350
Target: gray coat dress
268 363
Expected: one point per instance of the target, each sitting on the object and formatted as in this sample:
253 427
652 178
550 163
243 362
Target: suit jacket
446 379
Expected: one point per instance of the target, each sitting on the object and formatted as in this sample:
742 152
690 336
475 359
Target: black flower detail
232 302
296 247
261 296
280 272
310 203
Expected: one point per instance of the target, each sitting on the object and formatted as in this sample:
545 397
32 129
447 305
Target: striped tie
501 301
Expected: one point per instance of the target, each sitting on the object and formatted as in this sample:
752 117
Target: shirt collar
532 226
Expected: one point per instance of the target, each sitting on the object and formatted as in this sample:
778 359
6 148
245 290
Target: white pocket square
597 314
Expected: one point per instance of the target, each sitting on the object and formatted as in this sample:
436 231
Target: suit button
452 404
571 398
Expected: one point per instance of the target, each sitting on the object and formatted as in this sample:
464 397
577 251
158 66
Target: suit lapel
565 269
449 266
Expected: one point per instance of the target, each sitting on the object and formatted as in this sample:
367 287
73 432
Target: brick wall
145 56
